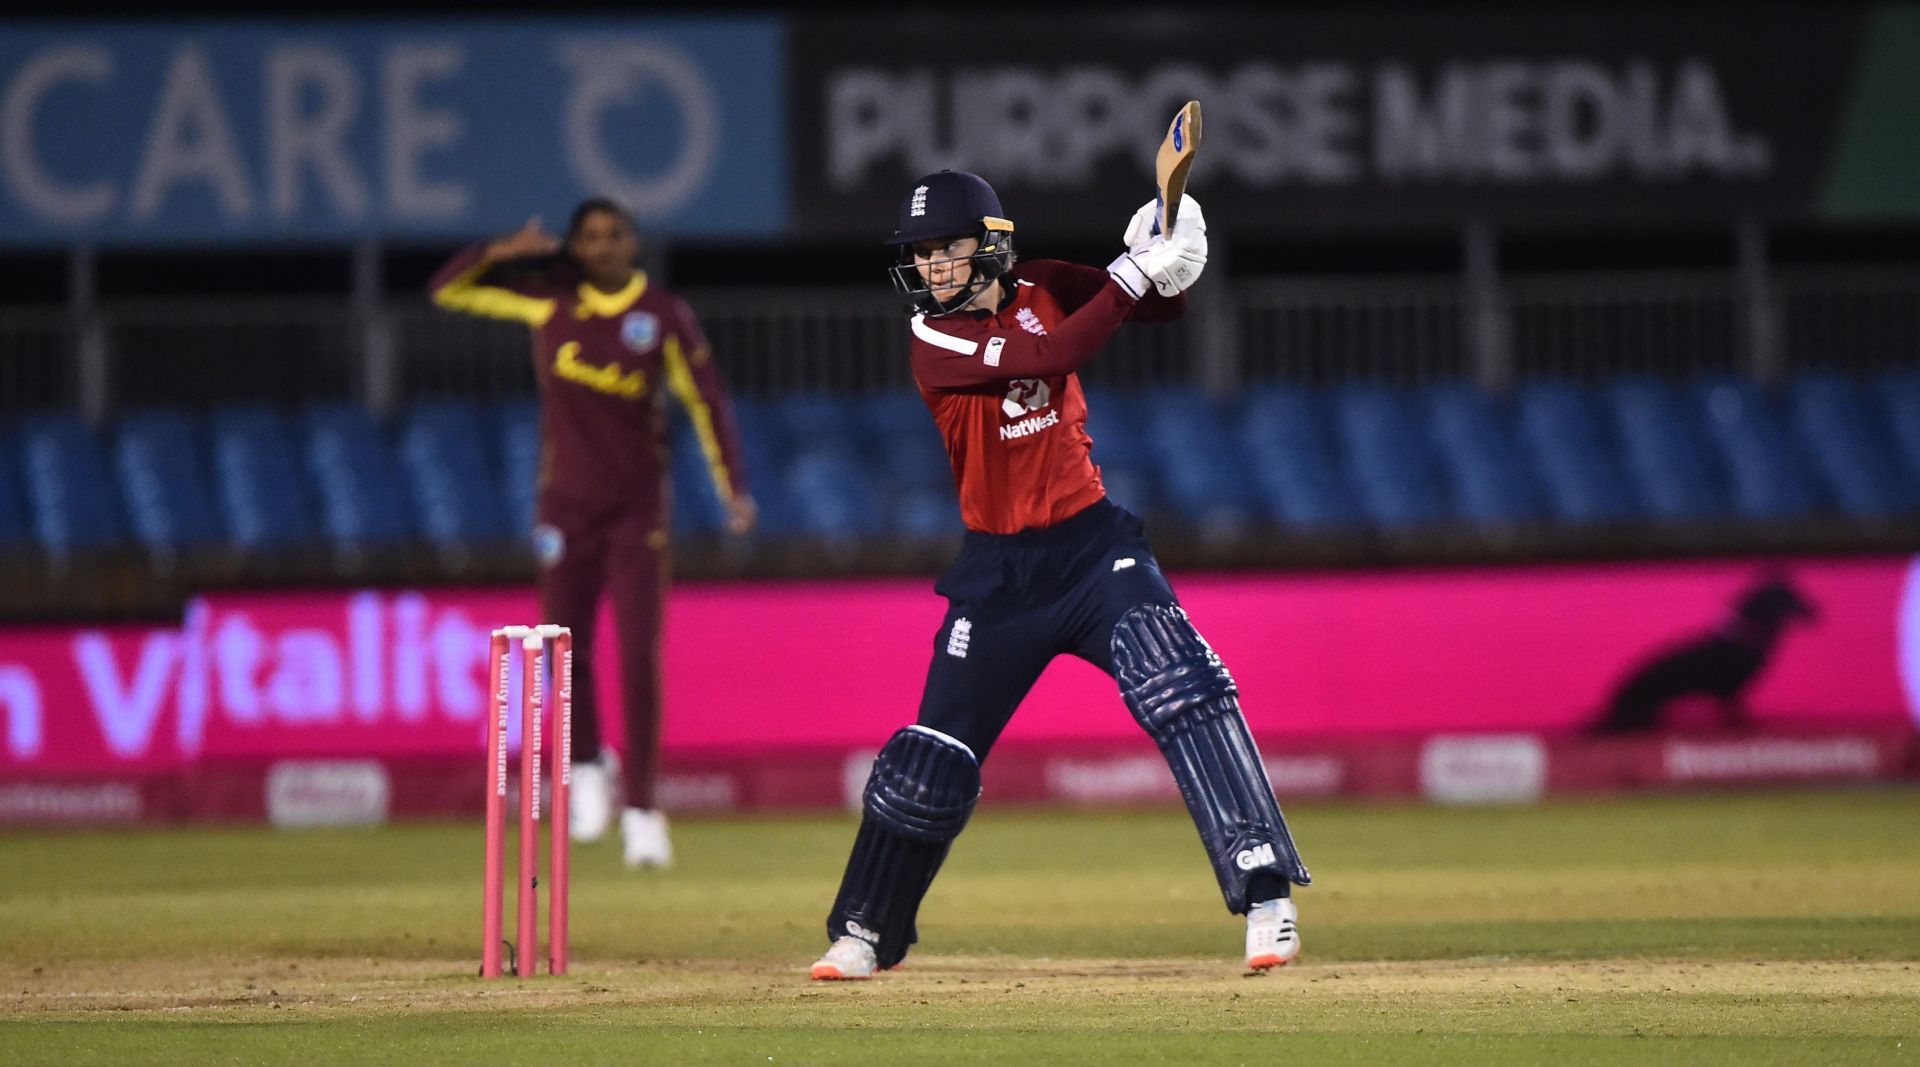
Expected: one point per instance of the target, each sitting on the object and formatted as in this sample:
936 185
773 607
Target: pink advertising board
754 666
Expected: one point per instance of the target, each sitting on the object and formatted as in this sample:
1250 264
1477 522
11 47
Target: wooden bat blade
1174 160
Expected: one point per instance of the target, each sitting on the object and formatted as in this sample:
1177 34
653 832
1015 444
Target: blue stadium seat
897 430
1559 425
765 444
13 506
1667 449
70 487
1899 393
816 420
910 463
166 481
1201 467
1767 474
1286 438
1490 478
362 501
927 513
833 495
259 480
517 429
1116 422
1849 445
1390 451
830 488
445 453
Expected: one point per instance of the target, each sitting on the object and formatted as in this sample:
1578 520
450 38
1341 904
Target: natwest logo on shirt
1027 427
1024 395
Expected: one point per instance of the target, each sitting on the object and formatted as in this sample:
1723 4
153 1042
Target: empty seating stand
1200 464
166 480
1490 479
911 463
1389 451
1128 466
516 426
454 481
764 445
1899 396
362 504
73 500
260 481
871 467
827 477
1558 425
1849 443
1667 450
1286 443
1768 476
14 537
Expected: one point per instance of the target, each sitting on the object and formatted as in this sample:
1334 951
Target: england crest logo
639 330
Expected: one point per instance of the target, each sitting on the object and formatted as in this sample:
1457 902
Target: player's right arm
962 354
1073 284
466 282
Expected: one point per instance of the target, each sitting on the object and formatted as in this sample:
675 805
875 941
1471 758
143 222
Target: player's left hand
742 513
1189 225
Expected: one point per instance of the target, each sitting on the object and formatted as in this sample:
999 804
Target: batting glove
1127 270
1171 264
1190 225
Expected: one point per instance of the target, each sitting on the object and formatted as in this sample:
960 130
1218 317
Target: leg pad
918 798
1181 693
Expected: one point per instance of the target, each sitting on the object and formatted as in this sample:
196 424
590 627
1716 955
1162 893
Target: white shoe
590 803
1272 937
643 833
850 959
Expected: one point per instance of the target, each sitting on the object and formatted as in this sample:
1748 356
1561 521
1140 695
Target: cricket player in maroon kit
605 342
1049 566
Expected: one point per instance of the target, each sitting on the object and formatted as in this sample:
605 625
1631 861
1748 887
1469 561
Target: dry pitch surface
1723 929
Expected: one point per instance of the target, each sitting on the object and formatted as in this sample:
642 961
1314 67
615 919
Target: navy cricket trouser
1015 601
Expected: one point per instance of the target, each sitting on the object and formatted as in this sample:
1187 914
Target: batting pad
1181 693
918 799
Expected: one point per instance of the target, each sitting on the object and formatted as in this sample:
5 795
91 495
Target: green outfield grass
1778 928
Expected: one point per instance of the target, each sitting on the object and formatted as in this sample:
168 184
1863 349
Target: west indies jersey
601 360
1003 390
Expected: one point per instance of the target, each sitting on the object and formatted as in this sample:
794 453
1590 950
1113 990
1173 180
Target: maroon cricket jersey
601 360
1003 390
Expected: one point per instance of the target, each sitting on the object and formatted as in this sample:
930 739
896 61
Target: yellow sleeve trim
465 293
680 379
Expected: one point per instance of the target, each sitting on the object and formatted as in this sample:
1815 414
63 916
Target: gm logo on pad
1257 856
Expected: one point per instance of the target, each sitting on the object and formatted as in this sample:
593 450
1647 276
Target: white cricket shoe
590 803
1272 937
850 959
643 834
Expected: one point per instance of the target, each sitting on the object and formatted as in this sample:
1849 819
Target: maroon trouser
622 550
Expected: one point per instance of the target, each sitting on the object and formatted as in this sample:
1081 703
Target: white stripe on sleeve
941 340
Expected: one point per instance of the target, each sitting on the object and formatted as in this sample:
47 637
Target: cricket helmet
951 203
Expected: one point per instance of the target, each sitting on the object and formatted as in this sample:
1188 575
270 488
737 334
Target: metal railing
775 341
1848 319
1599 325
1318 332
37 364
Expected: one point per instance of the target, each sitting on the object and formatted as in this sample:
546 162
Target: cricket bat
1174 160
